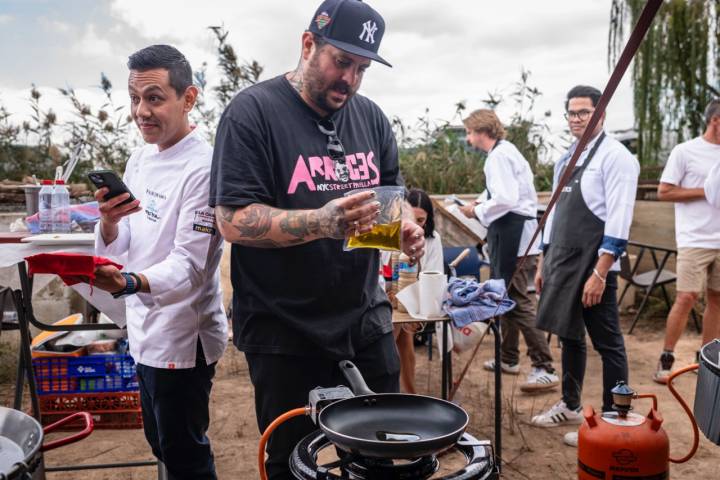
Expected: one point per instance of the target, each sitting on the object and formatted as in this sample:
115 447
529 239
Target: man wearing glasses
585 235
286 152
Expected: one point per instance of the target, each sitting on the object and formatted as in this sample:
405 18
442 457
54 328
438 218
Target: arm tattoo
300 224
331 220
252 225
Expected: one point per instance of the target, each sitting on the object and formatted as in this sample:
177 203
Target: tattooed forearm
254 223
300 224
331 221
263 226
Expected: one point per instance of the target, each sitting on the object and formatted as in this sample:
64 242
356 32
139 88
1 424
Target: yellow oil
385 236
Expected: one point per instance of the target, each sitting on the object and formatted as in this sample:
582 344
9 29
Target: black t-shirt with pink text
312 299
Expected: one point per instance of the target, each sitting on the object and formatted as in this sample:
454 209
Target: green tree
439 161
675 73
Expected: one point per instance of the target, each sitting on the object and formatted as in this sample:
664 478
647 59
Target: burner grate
305 463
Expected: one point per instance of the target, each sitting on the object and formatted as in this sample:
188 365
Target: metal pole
498 396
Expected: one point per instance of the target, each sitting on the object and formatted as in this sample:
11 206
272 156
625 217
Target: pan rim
326 429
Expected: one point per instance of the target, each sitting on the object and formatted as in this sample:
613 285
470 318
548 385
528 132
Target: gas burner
304 463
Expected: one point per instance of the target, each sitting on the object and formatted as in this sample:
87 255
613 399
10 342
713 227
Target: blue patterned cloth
469 301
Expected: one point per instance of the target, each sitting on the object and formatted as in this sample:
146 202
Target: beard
319 90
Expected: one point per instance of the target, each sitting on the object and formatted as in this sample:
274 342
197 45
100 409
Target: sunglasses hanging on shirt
335 149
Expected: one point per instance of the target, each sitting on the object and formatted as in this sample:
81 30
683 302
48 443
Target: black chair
648 281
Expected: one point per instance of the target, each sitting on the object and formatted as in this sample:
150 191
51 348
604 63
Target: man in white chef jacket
175 320
509 213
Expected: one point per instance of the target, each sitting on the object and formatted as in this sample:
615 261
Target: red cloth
69 266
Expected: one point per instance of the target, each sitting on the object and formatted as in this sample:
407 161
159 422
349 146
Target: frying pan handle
72 438
353 376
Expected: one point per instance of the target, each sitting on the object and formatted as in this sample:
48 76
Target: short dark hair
712 109
418 198
167 57
583 91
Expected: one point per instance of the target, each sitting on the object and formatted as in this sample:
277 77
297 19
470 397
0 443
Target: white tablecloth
13 253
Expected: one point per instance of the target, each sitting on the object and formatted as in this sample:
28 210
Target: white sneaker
506 367
539 380
558 415
571 439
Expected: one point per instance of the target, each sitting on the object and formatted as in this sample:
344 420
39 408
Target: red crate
109 410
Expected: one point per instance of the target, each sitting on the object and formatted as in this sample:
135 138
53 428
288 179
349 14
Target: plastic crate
85 374
103 420
109 410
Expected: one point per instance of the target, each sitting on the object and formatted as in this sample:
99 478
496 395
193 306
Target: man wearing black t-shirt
286 152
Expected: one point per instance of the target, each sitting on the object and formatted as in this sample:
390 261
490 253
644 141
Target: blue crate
99 365
86 374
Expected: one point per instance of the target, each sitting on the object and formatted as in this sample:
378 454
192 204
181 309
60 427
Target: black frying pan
390 425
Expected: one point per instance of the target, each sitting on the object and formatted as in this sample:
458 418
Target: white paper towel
432 292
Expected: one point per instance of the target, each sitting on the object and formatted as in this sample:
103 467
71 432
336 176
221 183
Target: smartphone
457 201
111 181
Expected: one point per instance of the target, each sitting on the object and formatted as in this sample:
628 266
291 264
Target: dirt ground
527 452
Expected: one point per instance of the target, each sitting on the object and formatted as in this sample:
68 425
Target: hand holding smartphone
110 180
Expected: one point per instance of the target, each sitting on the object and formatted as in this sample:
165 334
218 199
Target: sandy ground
528 452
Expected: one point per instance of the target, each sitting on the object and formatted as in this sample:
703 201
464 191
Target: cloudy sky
442 52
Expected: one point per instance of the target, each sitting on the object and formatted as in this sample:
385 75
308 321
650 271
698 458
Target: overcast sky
442 52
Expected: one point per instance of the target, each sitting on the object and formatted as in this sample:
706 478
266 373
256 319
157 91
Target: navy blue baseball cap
350 25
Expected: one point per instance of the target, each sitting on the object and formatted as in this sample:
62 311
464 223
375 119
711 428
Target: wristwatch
132 285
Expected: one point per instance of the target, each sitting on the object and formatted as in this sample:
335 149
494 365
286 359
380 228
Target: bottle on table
407 275
394 264
45 206
61 208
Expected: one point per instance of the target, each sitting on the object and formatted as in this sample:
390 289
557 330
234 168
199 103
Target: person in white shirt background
712 186
509 213
697 233
586 233
424 215
176 325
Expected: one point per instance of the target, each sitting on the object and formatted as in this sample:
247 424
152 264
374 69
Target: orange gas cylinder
624 445
612 446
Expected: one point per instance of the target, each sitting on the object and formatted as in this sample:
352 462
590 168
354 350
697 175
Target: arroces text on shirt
318 173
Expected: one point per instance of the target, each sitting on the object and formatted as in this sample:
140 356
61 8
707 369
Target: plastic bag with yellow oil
386 234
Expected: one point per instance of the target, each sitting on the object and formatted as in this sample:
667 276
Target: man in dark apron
586 234
509 213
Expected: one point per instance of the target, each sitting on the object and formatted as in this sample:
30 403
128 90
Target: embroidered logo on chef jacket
204 222
152 211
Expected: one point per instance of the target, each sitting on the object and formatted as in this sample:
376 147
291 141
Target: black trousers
603 327
282 383
176 417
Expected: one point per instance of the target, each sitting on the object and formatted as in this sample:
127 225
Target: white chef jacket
712 186
509 180
609 187
175 244
697 222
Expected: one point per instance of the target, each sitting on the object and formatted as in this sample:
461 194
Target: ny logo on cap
369 29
